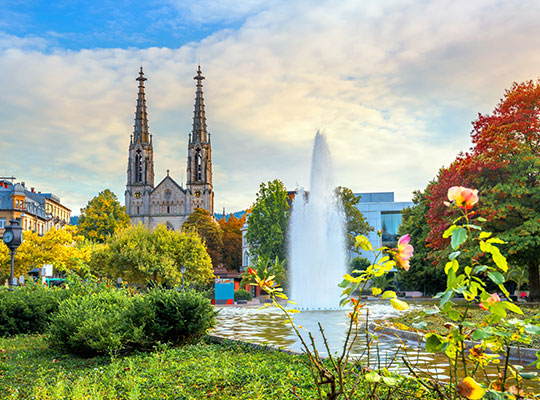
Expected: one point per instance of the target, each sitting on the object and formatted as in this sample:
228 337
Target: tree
503 166
102 216
231 251
140 255
423 275
355 223
203 224
268 222
63 248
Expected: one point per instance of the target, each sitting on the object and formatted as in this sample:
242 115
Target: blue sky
395 85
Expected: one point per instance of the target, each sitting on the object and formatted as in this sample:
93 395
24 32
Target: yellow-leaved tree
64 248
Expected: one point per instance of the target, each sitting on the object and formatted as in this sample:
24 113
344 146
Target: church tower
140 171
199 163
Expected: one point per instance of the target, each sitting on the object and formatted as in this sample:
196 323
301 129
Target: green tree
423 275
102 216
268 222
355 223
203 224
140 255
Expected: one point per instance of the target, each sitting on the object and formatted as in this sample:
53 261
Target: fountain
317 237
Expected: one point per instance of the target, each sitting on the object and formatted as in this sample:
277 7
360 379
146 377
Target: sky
394 85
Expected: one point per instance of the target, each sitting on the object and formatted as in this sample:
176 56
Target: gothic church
168 202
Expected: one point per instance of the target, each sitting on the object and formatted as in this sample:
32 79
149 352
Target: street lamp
13 238
183 270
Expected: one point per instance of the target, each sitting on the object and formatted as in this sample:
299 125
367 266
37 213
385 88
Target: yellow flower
470 389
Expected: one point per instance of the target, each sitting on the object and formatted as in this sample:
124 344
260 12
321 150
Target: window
390 222
168 209
2 223
246 259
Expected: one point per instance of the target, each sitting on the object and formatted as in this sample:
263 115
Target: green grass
435 322
31 370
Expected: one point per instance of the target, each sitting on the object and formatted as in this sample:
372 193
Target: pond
266 326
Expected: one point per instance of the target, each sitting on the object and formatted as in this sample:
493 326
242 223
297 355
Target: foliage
109 321
242 294
265 267
503 165
138 254
355 223
202 223
98 323
423 275
231 251
465 276
64 248
177 317
268 222
28 309
358 263
102 216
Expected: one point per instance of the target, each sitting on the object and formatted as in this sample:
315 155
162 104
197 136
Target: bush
97 323
28 309
115 321
178 317
242 294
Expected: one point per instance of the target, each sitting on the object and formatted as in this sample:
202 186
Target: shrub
97 323
115 321
242 294
178 317
28 309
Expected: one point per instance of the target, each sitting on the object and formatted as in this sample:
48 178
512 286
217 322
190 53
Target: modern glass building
383 214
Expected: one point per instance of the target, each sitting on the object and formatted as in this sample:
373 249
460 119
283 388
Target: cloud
394 84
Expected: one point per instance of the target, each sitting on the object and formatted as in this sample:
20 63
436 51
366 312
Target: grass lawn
30 370
435 322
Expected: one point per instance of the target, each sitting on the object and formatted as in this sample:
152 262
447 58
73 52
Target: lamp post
183 270
13 238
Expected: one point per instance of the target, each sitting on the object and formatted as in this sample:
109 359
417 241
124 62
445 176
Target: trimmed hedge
242 294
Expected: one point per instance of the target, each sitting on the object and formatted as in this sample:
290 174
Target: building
36 211
383 214
168 203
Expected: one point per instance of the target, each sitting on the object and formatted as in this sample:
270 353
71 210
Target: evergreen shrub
242 294
28 309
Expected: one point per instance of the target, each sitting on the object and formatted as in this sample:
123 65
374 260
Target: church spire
199 133
140 131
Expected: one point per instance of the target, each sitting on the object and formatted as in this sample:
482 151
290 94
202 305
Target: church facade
168 202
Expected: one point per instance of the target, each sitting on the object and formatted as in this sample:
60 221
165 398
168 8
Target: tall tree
355 223
138 254
203 224
503 166
268 222
231 251
102 216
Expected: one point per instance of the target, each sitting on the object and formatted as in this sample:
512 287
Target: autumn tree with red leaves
504 166
231 250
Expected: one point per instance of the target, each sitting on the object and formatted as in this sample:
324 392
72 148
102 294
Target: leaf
434 344
453 255
532 329
459 236
480 334
451 265
528 375
447 296
363 243
512 307
372 377
495 240
399 304
496 277
481 219
432 311
476 227
480 268
389 294
390 381
447 233
420 325
376 291
484 235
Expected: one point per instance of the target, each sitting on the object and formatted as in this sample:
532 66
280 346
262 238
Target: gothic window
138 210
198 165
168 209
138 166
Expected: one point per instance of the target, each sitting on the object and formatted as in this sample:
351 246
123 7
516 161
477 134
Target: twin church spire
144 202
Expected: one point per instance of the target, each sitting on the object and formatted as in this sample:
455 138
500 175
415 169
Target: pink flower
405 252
464 197
494 298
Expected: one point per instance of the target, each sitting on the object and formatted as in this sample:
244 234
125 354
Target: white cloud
383 79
